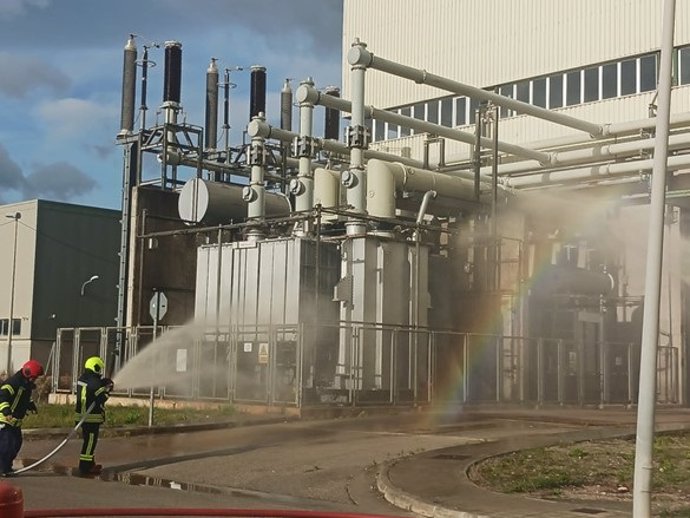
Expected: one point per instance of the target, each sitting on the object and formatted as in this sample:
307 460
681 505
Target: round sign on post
158 306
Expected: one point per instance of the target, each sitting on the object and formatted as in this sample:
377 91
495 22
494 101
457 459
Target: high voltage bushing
357 137
172 75
257 94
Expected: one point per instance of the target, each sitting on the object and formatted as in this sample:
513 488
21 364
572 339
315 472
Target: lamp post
10 324
93 278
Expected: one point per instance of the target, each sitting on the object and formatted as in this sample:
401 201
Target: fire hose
59 446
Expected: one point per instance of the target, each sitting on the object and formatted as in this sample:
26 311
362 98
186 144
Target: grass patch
62 416
594 469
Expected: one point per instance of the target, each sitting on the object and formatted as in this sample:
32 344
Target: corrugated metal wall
485 43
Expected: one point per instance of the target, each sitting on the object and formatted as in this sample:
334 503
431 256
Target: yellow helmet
95 364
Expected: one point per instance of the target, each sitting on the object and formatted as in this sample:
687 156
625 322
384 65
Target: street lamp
10 325
93 278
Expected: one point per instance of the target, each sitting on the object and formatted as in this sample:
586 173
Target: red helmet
32 370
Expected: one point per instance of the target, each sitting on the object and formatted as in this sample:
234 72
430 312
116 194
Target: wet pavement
417 460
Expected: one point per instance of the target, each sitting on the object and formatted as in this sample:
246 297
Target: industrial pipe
359 56
385 179
354 178
172 75
593 173
302 187
428 196
253 194
129 79
327 190
259 128
330 101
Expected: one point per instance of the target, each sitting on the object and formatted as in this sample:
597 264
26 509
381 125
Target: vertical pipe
257 99
540 372
10 328
226 114
332 121
254 193
495 270
303 188
144 87
354 179
129 79
559 370
650 325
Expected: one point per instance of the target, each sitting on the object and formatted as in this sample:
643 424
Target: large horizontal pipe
597 152
359 55
311 94
594 173
267 131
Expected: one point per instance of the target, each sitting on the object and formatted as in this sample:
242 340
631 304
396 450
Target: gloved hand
108 383
31 407
10 420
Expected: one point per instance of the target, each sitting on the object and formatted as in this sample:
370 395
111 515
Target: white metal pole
650 323
10 327
304 187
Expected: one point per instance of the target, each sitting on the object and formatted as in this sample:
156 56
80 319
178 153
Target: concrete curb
406 501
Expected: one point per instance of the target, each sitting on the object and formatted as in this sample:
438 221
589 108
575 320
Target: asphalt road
316 465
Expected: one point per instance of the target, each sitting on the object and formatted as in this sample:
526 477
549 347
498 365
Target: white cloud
71 117
12 8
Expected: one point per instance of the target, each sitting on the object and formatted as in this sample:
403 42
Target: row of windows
5 328
570 88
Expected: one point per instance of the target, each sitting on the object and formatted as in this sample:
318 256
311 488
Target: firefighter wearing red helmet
15 402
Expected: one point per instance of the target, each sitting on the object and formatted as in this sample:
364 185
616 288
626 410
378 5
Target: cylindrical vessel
211 126
211 203
332 122
172 75
257 100
129 79
11 501
286 106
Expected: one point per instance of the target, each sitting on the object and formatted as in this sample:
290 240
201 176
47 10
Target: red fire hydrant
11 501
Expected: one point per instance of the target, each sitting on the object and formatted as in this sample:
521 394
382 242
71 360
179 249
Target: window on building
556 91
591 84
507 91
523 91
539 92
461 111
432 112
405 132
629 77
474 104
573 89
609 81
418 111
684 66
16 326
447 112
392 131
378 130
648 73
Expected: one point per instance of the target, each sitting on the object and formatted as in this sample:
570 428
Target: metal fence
362 364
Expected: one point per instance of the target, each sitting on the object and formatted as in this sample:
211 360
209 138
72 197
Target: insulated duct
385 180
172 75
129 78
212 203
211 120
257 99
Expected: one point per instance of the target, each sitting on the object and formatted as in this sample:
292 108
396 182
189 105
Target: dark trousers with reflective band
89 433
10 444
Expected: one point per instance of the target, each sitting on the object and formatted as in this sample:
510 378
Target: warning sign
263 353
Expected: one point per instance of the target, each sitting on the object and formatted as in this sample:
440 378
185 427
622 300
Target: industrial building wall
485 43
73 244
23 276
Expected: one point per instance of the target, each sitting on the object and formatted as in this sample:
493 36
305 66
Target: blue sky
61 66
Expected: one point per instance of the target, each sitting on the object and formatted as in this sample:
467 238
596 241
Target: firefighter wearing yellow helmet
93 388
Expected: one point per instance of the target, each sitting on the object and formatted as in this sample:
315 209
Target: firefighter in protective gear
92 387
15 403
